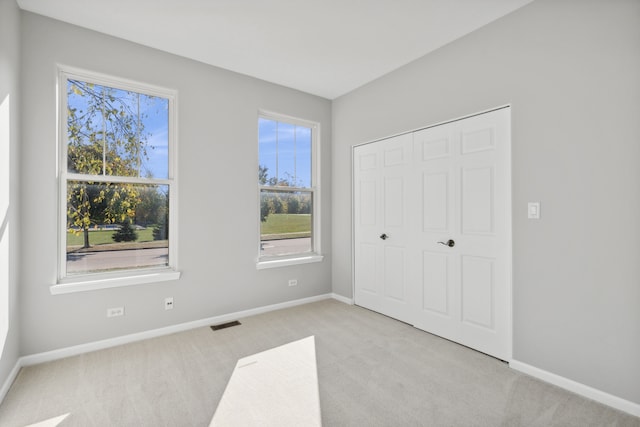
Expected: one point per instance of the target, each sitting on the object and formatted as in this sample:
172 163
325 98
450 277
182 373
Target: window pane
116 226
286 222
84 128
286 155
303 156
116 132
122 132
155 122
268 152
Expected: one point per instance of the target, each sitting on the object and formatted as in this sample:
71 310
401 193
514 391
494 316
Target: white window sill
283 262
92 283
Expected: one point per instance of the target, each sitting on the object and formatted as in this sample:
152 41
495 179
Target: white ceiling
323 47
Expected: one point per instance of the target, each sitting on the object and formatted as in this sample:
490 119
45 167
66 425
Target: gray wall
571 71
9 208
218 204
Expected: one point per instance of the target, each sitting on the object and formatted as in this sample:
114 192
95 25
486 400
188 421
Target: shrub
126 233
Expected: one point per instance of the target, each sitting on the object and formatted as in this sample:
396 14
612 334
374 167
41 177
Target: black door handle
383 236
449 243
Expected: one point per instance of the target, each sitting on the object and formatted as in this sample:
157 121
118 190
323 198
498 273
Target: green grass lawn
293 225
101 237
277 226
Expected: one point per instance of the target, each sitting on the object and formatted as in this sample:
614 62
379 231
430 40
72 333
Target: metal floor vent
225 325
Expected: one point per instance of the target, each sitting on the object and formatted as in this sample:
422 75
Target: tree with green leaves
152 207
263 175
105 137
161 228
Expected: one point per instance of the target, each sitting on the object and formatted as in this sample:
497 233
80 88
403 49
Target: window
117 179
289 192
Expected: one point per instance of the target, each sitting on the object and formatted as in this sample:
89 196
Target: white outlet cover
115 311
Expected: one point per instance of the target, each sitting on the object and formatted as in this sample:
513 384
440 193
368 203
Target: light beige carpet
372 371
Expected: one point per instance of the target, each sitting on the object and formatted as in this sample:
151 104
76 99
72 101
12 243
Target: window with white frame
289 192
117 178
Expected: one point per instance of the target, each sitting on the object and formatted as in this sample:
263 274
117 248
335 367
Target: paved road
106 260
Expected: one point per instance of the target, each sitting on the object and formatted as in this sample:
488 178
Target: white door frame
508 216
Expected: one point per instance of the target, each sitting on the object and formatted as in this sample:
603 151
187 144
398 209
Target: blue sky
285 149
156 124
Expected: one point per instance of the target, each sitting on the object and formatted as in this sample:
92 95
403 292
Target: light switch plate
533 210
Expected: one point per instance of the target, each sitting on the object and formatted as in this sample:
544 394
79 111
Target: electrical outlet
533 210
293 282
115 311
168 303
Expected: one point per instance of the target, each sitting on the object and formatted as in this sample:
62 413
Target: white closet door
381 172
462 291
440 197
436 268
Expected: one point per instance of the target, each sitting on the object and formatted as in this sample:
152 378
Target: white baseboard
48 356
10 379
578 388
342 299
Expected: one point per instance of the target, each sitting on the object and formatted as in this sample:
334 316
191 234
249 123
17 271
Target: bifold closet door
431 230
460 280
381 231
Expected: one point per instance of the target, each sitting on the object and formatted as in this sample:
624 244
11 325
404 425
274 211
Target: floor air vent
225 325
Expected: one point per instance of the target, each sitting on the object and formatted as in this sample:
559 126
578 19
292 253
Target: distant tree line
282 201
